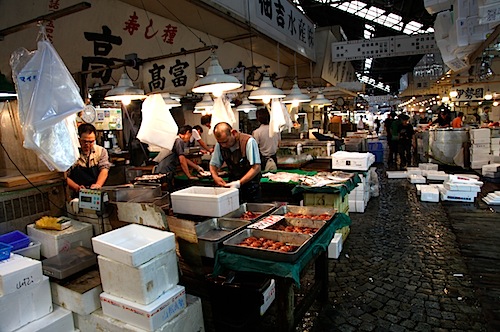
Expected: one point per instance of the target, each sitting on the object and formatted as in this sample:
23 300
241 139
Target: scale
92 199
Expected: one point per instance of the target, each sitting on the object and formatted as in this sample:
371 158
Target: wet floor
410 266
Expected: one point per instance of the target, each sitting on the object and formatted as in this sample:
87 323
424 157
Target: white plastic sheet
280 119
48 102
158 127
222 112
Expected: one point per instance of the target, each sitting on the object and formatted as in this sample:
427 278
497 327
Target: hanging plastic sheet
158 127
222 112
47 92
280 119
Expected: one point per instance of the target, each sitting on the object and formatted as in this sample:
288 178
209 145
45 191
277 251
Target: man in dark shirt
406 133
393 149
443 120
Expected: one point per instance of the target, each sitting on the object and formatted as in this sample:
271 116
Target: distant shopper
393 149
377 124
458 121
268 146
405 141
361 124
443 120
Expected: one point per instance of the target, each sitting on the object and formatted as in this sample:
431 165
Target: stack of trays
285 239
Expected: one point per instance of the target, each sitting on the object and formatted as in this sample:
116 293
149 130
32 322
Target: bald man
240 152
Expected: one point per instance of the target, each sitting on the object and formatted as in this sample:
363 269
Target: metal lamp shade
266 91
205 103
320 101
125 91
246 106
216 82
169 101
296 96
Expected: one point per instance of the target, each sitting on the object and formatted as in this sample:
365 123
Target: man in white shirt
268 146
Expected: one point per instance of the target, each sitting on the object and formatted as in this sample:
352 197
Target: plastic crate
5 251
375 146
31 251
16 239
379 156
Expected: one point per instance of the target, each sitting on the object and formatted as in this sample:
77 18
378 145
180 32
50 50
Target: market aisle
400 270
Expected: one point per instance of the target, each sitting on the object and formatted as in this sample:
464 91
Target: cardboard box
149 317
142 284
205 201
53 242
23 307
133 244
335 246
18 273
59 320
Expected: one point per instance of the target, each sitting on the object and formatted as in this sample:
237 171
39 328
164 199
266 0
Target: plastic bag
158 127
280 118
47 92
222 112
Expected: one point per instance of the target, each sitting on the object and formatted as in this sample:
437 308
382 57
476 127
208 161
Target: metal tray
300 240
261 209
306 210
300 222
213 231
133 193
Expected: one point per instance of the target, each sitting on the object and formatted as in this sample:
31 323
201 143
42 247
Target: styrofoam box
335 246
20 308
413 171
53 242
480 140
417 178
480 133
430 194
133 244
18 273
269 295
149 317
59 320
142 284
495 141
461 187
396 174
31 251
357 206
356 161
457 196
428 166
205 201
189 319
81 303
437 175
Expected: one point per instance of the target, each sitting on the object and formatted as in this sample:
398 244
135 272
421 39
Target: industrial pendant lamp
320 101
296 96
246 106
206 104
453 92
169 101
266 91
216 82
125 91
488 95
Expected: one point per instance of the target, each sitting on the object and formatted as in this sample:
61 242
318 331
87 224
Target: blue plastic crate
379 156
5 250
16 239
375 146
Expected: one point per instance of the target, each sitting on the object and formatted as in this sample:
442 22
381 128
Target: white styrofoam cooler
142 284
53 242
429 194
335 246
59 320
79 303
189 319
356 161
133 244
20 308
457 196
18 273
205 201
149 317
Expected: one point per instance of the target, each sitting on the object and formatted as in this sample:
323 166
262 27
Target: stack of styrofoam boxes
491 171
492 198
429 192
460 188
139 274
431 172
359 197
495 149
415 175
25 298
53 242
480 147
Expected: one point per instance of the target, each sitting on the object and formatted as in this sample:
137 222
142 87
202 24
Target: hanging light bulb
204 105
169 101
125 91
453 93
320 101
246 106
495 103
488 95
296 96
216 82
266 91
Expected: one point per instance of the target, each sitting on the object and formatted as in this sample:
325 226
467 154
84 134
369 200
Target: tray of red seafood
306 212
251 211
269 245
